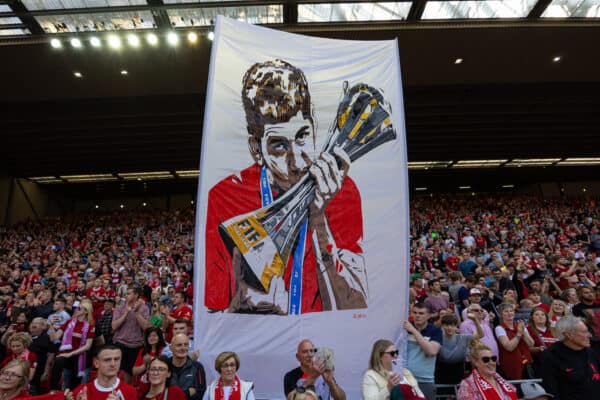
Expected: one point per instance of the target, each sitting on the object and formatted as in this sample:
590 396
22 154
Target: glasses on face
476 310
158 370
488 359
393 353
10 375
309 351
229 365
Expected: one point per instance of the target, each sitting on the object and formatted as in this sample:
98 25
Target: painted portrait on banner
284 234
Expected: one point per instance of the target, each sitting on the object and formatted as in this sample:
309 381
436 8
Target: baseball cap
532 390
474 291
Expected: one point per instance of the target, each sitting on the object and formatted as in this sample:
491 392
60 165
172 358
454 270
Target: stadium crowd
502 288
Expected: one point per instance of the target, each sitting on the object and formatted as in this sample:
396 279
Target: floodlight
95 42
172 38
114 42
55 43
76 43
152 39
133 40
192 37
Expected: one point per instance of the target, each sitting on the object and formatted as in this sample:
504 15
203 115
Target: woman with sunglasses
380 382
485 383
159 374
14 380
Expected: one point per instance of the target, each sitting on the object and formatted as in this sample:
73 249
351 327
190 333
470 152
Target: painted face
288 150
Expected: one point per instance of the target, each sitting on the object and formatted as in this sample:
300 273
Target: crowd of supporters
489 275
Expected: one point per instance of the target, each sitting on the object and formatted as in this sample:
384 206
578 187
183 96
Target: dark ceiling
508 99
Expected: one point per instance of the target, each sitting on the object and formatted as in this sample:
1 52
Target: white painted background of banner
267 344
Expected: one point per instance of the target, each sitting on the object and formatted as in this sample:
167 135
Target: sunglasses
393 353
488 359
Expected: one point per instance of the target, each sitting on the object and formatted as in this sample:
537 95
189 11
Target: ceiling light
95 42
508 186
133 40
97 206
464 187
458 61
124 72
114 42
191 201
172 38
55 43
144 204
580 161
478 163
420 189
556 59
78 74
192 37
211 35
122 206
76 43
152 39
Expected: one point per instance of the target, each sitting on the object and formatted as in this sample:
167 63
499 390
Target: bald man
187 374
311 373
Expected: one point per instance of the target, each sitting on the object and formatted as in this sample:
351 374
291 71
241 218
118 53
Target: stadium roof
485 81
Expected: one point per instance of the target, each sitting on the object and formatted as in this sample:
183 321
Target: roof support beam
28 20
539 9
416 10
161 17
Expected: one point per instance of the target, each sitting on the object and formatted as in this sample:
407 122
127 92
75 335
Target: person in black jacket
570 369
188 374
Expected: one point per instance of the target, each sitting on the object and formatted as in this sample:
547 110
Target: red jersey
174 393
239 194
77 335
96 392
184 311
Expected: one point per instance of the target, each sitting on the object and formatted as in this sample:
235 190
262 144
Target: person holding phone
383 381
312 372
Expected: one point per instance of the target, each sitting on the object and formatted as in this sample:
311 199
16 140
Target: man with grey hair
570 369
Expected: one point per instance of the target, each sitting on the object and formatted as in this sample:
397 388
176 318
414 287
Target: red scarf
235 390
489 392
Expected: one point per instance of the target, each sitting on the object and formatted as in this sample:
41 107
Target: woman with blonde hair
14 380
229 386
302 393
77 336
558 309
380 382
485 383
17 345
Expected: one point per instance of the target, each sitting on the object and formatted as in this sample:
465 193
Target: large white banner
302 219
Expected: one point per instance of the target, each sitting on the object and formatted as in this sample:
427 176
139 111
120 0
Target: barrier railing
448 392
